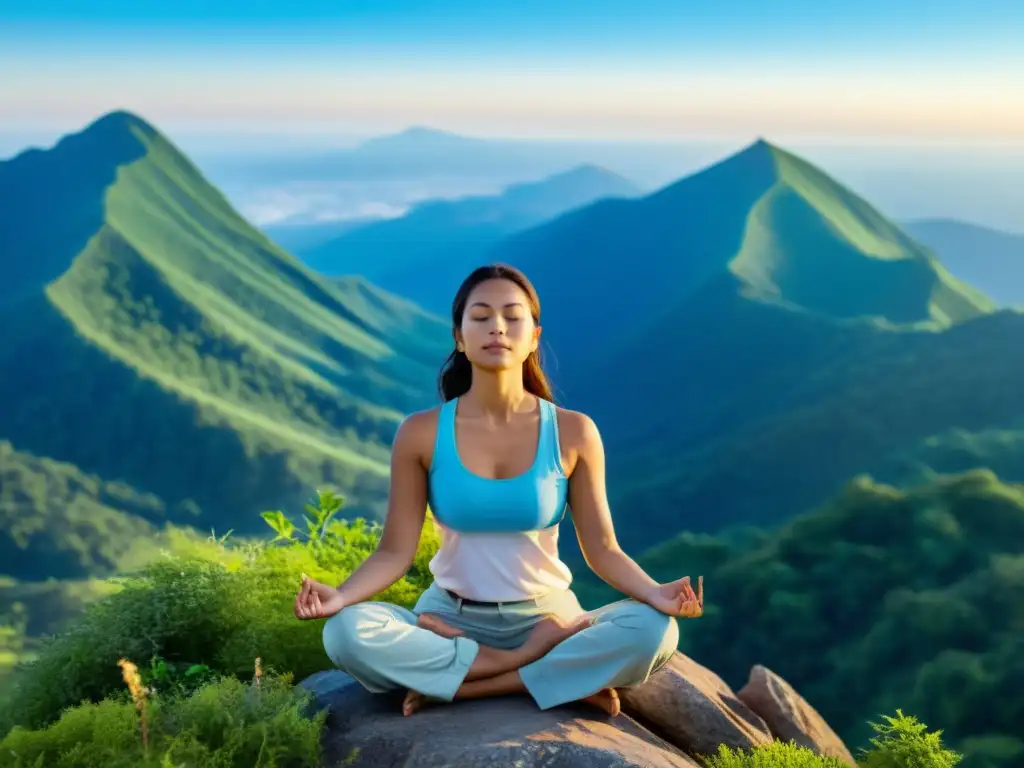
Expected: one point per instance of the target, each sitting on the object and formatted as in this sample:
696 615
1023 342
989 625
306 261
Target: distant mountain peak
756 151
118 121
417 137
425 131
583 174
587 170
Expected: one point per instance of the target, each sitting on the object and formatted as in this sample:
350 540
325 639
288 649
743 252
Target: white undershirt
500 567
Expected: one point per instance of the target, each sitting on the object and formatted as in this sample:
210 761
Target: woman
498 463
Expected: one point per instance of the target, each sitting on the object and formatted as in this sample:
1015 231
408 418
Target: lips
497 345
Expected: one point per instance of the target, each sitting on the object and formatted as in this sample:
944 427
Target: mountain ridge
712 213
992 259
447 237
417 135
195 337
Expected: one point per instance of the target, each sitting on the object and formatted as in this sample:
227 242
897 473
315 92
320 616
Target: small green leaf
276 519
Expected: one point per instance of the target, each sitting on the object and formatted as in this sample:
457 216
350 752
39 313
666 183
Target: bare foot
608 700
550 631
414 701
438 626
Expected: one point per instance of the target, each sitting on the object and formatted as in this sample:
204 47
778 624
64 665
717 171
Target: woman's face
497 328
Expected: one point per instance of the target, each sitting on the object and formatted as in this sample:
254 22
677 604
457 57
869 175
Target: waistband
484 603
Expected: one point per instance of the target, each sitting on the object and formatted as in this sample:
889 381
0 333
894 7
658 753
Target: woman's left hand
678 598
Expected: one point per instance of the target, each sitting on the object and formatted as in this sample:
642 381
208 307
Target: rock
789 716
367 730
692 708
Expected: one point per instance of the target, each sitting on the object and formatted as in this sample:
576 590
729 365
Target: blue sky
870 70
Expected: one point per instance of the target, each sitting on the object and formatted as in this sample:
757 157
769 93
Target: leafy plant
175 678
327 505
213 538
225 722
903 742
205 607
283 527
775 755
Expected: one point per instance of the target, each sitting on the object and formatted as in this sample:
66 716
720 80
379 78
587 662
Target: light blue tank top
467 503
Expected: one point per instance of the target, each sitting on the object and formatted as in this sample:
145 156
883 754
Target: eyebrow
488 306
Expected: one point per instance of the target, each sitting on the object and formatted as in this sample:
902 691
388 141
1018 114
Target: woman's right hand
317 601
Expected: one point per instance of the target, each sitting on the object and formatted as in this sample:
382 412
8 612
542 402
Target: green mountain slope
420 255
155 338
988 258
63 532
809 241
782 229
754 335
823 408
880 598
57 522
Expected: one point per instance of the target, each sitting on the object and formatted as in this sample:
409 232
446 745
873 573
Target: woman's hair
457 371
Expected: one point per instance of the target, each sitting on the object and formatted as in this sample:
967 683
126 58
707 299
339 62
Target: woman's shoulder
575 428
417 431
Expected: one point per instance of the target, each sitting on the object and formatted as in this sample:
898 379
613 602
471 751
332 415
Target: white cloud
311 202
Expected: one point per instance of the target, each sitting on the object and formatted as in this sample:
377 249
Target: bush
775 755
902 742
224 723
217 607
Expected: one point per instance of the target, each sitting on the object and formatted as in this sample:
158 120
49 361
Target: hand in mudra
677 598
317 601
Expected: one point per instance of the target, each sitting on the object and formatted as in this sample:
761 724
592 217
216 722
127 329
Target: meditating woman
498 464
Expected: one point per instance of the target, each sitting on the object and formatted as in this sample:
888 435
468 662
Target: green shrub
219 606
902 742
225 723
775 755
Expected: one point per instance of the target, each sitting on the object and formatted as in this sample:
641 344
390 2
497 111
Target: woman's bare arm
588 499
407 506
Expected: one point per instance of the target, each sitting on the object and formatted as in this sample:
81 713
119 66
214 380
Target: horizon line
217 128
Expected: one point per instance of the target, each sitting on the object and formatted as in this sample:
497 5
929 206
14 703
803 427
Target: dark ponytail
457 372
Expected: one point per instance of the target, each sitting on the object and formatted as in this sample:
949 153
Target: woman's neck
497 395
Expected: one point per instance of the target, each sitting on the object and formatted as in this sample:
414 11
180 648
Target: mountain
424 157
762 229
763 222
417 140
153 338
988 258
418 153
754 335
449 238
58 522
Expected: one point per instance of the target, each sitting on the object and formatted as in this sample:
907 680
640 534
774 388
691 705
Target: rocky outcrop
692 707
789 716
365 730
682 713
